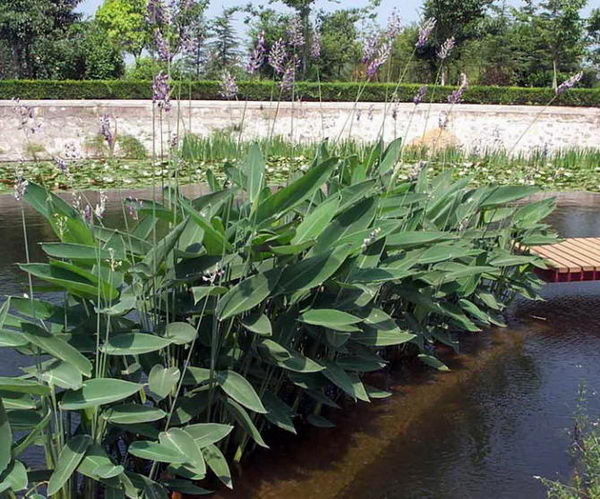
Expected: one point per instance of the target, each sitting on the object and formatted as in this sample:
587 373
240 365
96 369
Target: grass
575 169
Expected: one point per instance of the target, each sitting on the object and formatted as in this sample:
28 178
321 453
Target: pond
501 416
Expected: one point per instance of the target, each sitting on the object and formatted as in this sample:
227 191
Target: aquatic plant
185 341
585 448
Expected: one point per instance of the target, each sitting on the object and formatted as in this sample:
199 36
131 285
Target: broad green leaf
184 443
288 359
68 461
254 170
340 378
432 361
72 278
390 157
23 420
18 385
180 333
81 252
57 347
63 375
413 239
311 272
259 324
376 393
96 463
218 464
153 451
356 218
133 413
206 434
245 421
162 380
159 252
201 292
186 487
301 189
134 344
97 392
319 421
5 438
240 390
10 339
380 330
214 241
316 221
502 195
247 294
16 479
278 412
329 318
4 312
25 443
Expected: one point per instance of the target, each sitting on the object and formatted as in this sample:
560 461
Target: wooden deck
574 259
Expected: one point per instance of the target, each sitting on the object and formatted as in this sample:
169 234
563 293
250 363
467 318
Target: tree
83 54
593 38
125 23
223 42
562 30
461 19
340 48
28 26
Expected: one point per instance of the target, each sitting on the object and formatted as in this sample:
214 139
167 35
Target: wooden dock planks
573 259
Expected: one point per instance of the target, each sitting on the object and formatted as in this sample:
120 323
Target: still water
484 430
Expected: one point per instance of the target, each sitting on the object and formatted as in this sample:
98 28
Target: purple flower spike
370 48
315 47
229 88
162 47
296 32
420 95
257 58
161 92
383 55
156 13
446 48
277 56
570 83
289 77
62 165
394 26
456 96
425 32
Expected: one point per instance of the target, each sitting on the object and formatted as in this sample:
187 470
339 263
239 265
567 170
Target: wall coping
210 104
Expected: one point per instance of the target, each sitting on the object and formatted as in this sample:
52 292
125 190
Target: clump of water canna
165 352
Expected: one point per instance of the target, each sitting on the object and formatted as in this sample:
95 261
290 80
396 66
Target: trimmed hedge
308 91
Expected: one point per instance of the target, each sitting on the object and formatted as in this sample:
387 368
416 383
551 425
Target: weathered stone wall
61 125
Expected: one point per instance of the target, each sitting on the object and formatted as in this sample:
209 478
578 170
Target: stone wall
57 126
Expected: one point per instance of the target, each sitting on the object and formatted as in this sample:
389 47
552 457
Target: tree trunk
555 74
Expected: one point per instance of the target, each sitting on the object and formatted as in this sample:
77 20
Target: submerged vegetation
161 354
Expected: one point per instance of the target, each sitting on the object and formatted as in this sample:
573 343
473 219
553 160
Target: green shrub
268 90
130 147
180 343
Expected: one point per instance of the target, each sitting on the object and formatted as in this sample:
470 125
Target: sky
408 9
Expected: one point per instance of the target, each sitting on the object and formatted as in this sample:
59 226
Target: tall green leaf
97 392
68 460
